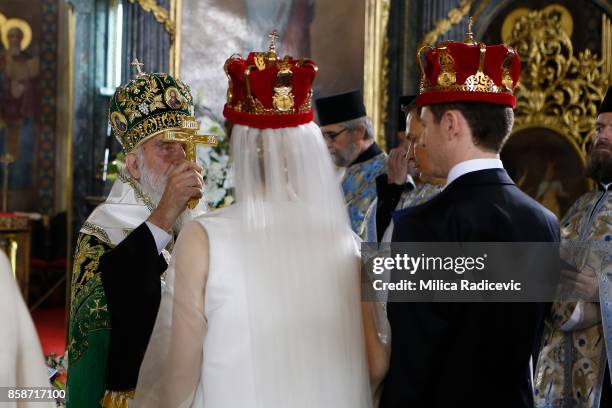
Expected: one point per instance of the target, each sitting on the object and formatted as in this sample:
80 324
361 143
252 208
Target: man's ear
131 161
360 132
452 123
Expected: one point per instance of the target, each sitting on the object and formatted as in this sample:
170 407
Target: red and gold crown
265 91
468 71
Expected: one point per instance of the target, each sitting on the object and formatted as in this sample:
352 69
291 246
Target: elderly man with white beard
122 249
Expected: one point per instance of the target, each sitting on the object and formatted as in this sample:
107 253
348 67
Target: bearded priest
122 249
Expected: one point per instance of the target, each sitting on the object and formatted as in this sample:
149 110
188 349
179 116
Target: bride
262 305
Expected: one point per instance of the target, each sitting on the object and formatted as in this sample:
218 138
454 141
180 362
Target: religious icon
546 166
173 98
550 190
119 123
19 100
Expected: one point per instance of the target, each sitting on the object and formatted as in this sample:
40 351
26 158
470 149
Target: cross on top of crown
469 37
138 66
273 37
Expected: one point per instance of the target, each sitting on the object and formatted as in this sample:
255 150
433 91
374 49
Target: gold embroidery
97 309
141 195
569 366
145 98
96 231
71 346
85 253
152 126
88 310
117 399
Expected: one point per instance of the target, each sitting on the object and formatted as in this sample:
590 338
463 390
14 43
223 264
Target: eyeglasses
332 135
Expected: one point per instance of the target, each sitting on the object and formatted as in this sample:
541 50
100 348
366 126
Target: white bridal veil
300 267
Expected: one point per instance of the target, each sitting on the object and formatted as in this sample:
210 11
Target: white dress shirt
469 166
160 236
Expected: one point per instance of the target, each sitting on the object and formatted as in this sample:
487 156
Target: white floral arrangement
218 183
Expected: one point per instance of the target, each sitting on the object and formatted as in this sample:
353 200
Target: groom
467 354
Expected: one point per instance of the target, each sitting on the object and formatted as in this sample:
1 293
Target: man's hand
184 182
397 166
584 284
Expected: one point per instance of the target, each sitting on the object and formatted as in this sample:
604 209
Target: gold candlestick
6 159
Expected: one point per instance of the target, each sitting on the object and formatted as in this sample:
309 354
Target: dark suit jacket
467 354
388 197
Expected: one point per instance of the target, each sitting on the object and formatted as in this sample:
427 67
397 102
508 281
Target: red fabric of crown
267 92
469 71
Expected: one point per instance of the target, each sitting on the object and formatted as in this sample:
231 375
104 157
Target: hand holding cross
189 138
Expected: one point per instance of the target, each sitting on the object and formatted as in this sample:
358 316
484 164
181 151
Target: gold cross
138 66
188 136
98 309
469 37
273 37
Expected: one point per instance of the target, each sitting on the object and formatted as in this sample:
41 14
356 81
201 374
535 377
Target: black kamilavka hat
340 108
606 104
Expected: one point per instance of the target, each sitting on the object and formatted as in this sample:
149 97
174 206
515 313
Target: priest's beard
599 166
154 185
344 158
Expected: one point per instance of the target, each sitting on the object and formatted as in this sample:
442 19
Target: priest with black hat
349 135
574 364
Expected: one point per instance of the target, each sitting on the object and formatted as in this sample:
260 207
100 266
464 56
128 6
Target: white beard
154 185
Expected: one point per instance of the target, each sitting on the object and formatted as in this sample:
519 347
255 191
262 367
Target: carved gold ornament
172 22
442 26
480 82
507 81
606 45
283 98
566 20
557 89
161 14
376 65
447 76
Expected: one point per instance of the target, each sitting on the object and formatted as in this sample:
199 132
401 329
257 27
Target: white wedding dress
305 354
227 367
